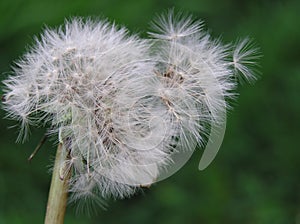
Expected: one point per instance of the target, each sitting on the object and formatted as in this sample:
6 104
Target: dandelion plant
125 111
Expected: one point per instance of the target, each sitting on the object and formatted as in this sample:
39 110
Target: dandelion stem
57 200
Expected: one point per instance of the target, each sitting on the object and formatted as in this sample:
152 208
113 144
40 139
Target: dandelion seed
245 57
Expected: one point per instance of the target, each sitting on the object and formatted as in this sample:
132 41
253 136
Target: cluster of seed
129 112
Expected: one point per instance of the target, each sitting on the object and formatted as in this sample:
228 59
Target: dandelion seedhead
128 111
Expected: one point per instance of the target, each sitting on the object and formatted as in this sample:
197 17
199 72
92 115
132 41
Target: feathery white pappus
128 111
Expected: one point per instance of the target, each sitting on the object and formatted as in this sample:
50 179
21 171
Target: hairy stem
58 194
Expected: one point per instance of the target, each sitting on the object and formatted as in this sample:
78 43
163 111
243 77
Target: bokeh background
255 178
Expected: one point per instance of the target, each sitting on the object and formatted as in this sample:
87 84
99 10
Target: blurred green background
255 177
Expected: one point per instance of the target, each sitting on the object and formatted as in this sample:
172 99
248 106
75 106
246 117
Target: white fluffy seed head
129 112
68 81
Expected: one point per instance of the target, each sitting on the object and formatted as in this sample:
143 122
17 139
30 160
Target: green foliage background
255 177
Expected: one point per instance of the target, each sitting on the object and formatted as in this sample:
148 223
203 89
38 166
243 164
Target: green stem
58 194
